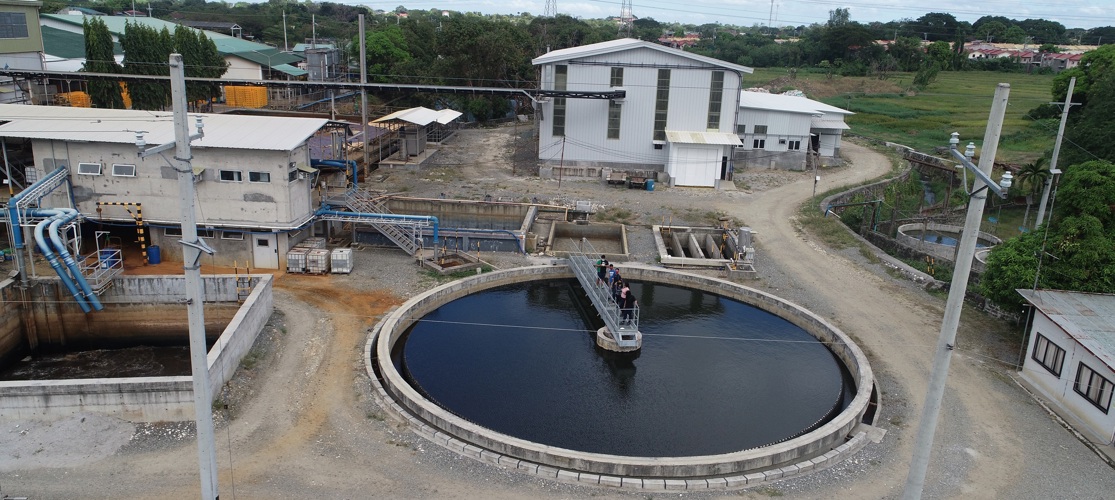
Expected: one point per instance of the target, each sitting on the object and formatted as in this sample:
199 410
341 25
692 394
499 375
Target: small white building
678 115
252 173
779 131
1070 357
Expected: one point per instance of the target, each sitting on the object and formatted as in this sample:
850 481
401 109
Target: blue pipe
13 206
52 259
69 214
341 164
427 218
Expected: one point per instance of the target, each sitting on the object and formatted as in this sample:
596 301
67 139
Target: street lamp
268 56
966 250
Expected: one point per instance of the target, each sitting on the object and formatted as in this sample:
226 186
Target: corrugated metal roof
421 116
119 126
829 123
445 116
624 44
787 103
693 137
1087 317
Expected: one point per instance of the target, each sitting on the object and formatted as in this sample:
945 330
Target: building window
741 129
615 111
793 145
759 144
259 177
232 235
715 97
206 233
121 170
561 80
1049 355
230 176
760 129
89 168
173 231
617 77
13 25
661 104
1093 387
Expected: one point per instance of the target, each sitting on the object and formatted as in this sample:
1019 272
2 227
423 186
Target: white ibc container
317 261
341 261
296 260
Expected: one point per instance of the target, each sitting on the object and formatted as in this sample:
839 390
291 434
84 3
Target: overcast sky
1071 13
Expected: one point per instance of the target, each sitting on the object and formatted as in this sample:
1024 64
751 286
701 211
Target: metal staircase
626 335
405 235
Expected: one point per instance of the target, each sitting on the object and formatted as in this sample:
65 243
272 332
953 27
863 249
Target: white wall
1059 389
781 126
275 204
586 121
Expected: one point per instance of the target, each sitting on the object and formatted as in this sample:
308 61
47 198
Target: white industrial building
781 131
1070 357
253 175
678 116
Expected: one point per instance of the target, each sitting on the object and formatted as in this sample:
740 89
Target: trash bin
650 184
154 254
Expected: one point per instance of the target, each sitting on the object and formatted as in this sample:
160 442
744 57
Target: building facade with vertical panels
1070 357
667 90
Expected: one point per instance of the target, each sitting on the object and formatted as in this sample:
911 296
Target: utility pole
192 247
286 46
1056 152
363 95
966 250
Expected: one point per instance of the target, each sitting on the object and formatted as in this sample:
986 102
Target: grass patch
955 102
615 214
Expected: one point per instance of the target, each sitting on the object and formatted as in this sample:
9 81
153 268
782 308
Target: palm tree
1031 178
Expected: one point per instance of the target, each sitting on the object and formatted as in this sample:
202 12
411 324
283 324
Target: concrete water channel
732 386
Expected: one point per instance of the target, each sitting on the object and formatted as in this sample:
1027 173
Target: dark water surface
140 361
949 239
713 376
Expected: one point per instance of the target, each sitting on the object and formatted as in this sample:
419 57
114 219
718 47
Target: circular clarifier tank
728 380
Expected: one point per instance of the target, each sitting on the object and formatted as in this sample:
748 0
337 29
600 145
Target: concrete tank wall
829 443
146 399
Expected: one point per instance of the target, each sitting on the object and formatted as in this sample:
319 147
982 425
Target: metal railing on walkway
625 333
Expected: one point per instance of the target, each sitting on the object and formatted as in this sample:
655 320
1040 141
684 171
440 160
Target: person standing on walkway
601 270
627 314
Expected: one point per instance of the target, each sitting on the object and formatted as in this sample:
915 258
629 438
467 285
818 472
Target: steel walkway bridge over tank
625 334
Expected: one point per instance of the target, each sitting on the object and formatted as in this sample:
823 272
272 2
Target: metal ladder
625 334
403 235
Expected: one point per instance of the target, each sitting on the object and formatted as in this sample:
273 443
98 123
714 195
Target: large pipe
69 214
13 205
341 164
53 259
427 218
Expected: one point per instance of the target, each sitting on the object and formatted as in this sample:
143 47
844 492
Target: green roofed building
247 60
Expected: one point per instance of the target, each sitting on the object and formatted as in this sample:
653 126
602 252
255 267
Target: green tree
200 59
907 52
99 58
936 26
1031 180
1089 129
1078 253
146 52
387 51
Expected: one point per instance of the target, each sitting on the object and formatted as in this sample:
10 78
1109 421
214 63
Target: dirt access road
304 424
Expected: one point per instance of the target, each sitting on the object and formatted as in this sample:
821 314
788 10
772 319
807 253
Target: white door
697 166
265 251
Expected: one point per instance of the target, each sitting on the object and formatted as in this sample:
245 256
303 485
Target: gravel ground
300 419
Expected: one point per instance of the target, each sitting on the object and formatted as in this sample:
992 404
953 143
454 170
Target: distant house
677 118
1070 357
21 46
1060 62
779 131
247 60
